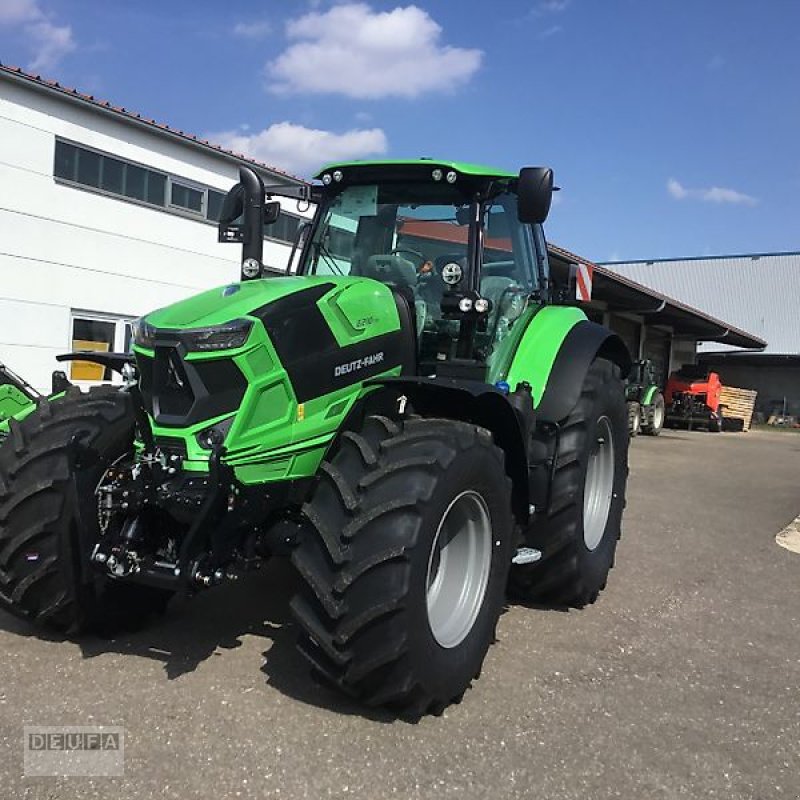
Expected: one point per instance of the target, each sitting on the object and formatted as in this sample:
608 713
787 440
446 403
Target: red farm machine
692 399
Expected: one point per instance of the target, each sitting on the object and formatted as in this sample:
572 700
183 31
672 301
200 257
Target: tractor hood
233 301
262 350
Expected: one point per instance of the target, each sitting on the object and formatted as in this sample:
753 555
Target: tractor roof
474 170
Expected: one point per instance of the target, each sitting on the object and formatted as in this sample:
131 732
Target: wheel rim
658 416
599 487
458 569
637 421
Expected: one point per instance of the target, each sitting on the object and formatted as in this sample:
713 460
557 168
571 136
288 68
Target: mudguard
553 355
466 400
648 395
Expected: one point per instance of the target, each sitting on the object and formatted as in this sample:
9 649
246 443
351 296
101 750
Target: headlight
220 337
217 337
143 333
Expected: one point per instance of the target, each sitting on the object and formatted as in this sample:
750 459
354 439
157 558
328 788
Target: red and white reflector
583 283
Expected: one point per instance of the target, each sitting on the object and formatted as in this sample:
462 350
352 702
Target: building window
102 334
98 171
105 173
284 228
214 205
186 197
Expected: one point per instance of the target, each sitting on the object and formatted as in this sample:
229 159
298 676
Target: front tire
406 571
44 501
578 534
634 418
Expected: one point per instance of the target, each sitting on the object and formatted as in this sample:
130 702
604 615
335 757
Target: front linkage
165 527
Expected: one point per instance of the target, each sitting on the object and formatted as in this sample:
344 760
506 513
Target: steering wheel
421 256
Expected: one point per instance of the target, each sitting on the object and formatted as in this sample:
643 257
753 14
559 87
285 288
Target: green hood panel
301 369
227 303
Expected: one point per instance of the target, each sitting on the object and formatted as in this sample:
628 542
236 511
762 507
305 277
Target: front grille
177 392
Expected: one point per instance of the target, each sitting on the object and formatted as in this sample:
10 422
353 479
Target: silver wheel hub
658 416
458 569
599 487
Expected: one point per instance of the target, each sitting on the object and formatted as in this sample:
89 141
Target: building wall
772 382
657 343
64 249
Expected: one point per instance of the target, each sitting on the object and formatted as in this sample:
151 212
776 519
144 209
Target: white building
104 215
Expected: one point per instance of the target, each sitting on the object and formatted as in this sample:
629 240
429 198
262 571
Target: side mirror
272 211
534 194
232 210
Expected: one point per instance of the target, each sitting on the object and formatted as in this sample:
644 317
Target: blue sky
673 126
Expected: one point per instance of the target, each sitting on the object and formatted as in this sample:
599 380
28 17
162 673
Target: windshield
415 237
389 232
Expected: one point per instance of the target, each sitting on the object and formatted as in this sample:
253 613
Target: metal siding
759 293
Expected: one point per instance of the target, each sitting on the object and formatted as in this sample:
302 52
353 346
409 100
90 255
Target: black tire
569 573
634 418
42 503
376 510
653 422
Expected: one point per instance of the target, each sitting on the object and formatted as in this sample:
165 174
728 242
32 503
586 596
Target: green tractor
645 400
405 415
18 398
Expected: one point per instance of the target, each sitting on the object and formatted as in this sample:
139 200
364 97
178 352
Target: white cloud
15 12
714 194
302 150
551 31
50 42
355 51
551 6
252 30
676 190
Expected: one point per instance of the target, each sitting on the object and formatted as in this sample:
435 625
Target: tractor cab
450 238
460 246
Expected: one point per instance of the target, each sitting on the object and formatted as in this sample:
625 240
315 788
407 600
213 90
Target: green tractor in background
645 400
405 415
18 398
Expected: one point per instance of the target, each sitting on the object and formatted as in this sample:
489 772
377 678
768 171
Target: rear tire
654 418
42 504
391 612
578 535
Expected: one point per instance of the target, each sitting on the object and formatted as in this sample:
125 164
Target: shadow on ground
198 628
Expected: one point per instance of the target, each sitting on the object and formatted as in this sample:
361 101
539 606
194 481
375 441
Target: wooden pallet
739 404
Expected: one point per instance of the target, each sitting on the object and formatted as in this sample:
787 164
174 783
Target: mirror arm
253 244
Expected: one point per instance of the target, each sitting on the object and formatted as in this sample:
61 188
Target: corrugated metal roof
759 293
623 293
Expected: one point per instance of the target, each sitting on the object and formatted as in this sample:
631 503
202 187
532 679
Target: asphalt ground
683 681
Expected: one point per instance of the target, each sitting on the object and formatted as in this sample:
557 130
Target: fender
465 400
649 395
554 355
